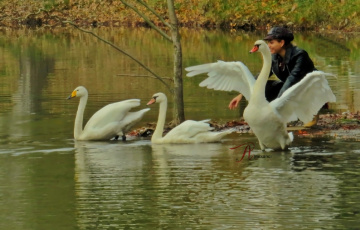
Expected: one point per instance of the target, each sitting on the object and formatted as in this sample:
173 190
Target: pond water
50 181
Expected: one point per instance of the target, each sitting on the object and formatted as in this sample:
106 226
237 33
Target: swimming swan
113 120
268 120
187 132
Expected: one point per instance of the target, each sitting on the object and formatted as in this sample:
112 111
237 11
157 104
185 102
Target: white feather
187 132
112 120
304 99
225 76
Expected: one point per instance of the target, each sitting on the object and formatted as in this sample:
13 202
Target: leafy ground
227 14
343 126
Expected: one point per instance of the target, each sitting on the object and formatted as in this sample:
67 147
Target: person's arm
235 101
301 68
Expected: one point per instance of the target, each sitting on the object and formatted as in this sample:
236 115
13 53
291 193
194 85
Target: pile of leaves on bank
344 126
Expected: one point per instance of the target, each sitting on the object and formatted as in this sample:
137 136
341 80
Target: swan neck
161 121
78 127
260 83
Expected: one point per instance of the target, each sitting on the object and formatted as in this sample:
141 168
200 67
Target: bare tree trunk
179 114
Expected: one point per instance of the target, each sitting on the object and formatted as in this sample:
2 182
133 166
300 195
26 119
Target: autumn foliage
226 14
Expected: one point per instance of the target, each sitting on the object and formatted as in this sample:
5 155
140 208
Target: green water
50 181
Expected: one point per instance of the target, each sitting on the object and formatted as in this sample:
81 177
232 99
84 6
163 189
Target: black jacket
296 65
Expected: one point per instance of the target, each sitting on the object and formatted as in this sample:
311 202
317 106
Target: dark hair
280 33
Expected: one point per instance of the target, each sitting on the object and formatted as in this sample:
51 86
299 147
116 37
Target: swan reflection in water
119 180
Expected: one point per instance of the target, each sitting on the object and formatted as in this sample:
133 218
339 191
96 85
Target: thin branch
155 13
132 75
118 49
31 14
148 21
39 11
107 42
137 75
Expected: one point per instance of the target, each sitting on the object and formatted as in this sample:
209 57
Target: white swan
113 120
268 120
187 132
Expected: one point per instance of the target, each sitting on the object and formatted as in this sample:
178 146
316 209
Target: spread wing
304 99
226 76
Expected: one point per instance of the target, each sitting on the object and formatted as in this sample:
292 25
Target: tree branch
107 42
148 21
137 75
118 49
155 13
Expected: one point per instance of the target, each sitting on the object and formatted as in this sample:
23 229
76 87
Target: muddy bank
344 126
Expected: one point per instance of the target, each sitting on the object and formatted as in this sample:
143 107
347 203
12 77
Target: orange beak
152 101
256 48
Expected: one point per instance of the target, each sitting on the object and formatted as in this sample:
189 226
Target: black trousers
272 89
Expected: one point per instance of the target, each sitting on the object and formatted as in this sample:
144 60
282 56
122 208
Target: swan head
78 92
157 98
260 45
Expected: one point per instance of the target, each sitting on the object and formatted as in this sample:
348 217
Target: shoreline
345 126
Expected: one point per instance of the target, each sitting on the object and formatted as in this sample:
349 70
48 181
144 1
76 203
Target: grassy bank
226 14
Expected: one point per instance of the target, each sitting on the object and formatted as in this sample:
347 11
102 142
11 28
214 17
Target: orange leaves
303 132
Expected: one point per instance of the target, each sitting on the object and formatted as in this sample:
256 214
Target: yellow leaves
237 15
93 6
294 7
207 13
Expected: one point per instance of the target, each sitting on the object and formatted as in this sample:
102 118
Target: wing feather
304 99
113 112
189 129
225 76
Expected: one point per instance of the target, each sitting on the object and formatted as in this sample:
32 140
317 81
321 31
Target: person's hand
235 102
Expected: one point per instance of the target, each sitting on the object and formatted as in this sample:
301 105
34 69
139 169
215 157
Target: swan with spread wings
268 120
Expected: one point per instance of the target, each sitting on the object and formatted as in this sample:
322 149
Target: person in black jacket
290 64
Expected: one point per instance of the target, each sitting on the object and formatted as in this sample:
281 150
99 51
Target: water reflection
139 185
66 59
36 191
34 68
109 180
